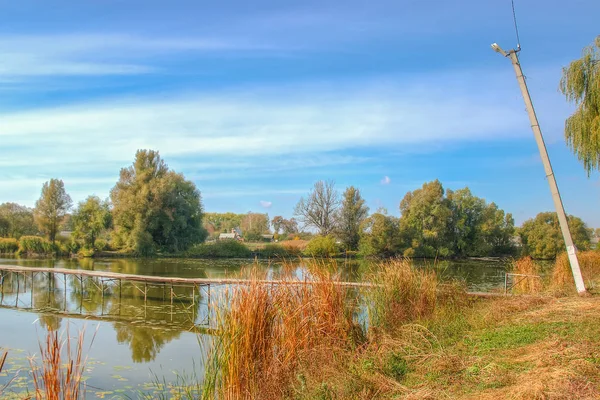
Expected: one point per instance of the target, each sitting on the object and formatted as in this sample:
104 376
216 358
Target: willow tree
580 84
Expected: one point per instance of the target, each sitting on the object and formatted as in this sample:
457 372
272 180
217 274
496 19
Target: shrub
86 252
274 251
8 245
401 294
322 246
101 245
222 248
36 245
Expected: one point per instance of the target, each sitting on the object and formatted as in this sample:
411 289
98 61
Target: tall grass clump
266 332
400 294
35 245
562 277
527 284
8 245
60 375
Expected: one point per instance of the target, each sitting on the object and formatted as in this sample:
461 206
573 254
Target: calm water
133 340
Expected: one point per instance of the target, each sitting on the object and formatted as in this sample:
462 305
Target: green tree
155 208
319 209
580 84
497 229
91 218
542 238
51 207
425 221
223 222
253 225
379 236
16 221
352 213
477 228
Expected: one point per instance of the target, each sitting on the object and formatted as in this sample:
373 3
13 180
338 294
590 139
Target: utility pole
537 133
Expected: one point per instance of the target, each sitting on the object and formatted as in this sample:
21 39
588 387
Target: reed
60 375
562 277
266 331
532 283
400 294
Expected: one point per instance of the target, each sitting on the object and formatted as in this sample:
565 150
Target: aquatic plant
60 375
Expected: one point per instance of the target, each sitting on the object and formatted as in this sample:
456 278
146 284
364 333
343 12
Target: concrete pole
560 210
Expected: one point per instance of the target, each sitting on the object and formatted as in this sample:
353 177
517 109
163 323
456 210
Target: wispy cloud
267 122
103 54
386 180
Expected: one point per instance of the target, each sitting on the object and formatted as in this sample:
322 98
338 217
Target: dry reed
562 277
528 278
401 294
265 331
58 378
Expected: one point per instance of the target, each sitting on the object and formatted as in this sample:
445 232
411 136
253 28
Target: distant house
234 235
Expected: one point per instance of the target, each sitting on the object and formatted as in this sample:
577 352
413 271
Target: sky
256 101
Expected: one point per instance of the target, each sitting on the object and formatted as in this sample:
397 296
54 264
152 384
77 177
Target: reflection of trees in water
87 294
144 342
47 294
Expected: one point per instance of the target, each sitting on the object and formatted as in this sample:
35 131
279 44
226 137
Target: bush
274 251
101 245
69 248
222 248
322 246
36 245
86 252
8 245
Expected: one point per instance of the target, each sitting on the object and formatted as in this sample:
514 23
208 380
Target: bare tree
319 209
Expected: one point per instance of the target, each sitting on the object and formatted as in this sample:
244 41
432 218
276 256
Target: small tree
580 84
319 209
90 219
51 207
352 214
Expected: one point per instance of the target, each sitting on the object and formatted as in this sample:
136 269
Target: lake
135 341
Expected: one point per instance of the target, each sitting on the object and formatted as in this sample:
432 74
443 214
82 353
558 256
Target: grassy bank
425 340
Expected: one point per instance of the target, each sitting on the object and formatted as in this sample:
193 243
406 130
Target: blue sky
255 101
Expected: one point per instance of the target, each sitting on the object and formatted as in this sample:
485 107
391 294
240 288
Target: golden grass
562 277
60 376
532 283
401 294
265 331
294 244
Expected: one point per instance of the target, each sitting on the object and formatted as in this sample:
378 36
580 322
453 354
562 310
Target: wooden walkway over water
166 280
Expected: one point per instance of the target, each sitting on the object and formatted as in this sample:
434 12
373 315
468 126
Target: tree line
154 209
434 222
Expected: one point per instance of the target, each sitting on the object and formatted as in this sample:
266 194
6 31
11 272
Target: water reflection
146 317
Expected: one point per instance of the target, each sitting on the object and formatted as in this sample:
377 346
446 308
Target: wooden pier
104 281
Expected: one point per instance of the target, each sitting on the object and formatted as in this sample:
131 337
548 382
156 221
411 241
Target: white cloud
292 120
102 54
386 180
266 204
